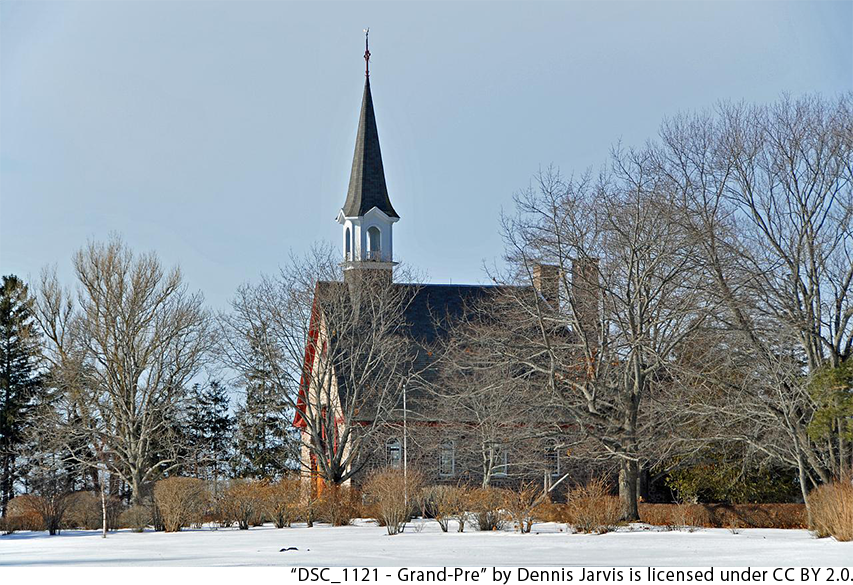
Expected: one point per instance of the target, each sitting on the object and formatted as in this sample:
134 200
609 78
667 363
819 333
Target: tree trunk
804 489
7 481
628 472
136 488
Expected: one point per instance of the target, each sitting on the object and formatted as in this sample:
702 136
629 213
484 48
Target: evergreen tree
266 445
209 430
19 378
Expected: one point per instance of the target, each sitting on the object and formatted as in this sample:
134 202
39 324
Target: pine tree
19 378
209 430
266 446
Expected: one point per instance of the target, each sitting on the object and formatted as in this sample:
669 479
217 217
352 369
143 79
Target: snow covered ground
365 544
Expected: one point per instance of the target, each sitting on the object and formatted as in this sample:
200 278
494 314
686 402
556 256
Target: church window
552 458
500 461
373 243
447 459
347 245
394 453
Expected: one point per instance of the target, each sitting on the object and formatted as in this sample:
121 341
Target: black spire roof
367 181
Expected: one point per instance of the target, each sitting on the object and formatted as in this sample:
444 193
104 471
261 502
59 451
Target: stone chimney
586 296
546 280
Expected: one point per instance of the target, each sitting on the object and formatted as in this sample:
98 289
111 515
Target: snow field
423 544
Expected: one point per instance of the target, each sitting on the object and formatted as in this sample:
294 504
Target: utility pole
405 447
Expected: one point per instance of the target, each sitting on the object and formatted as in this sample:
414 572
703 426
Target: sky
220 134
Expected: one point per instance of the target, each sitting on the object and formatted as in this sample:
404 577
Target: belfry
367 216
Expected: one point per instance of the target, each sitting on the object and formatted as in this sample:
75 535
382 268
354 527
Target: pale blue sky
220 134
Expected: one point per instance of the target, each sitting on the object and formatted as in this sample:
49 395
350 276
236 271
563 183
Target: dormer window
374 247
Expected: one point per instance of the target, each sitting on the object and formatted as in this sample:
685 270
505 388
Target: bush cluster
137 518
393 500
675 516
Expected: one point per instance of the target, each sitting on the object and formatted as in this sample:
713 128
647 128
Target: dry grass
832 510
181 501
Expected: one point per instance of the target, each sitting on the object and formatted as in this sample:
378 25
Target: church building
367 221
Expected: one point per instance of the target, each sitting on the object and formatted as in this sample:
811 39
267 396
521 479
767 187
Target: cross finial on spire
366 54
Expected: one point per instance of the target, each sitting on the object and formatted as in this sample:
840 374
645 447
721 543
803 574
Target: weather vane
366 54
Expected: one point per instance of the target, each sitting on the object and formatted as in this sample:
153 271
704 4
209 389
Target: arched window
347 244
394 453
447 459
373 243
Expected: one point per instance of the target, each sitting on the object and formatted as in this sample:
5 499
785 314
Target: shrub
85 511
20 516
243 503
486 505
725 515
388 490
460 498
136 518
524 506
218 513
181 501
832 510
50 509
722 478
283 501
337 505
446 503
157 518
590 508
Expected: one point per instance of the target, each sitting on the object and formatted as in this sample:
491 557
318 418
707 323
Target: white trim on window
552 457
394 453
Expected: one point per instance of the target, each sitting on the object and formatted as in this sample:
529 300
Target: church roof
430 314
367 180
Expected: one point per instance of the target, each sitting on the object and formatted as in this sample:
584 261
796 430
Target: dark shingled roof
429 316
367 181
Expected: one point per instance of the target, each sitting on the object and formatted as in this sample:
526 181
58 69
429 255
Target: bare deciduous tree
768 192
122 353
623 296
334 351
